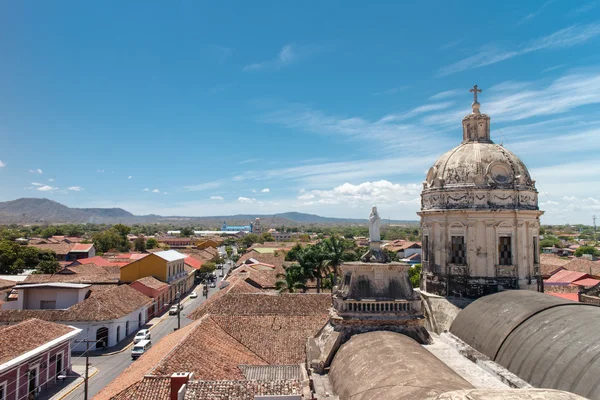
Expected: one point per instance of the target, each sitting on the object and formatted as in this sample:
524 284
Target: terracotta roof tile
193 262
266 304
18 339
61 248
104 305
6 284
240 390
82 247
567 296
152 283
149 388
581 264
566 276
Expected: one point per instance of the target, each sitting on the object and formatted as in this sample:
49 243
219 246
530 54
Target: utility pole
87 368
178 310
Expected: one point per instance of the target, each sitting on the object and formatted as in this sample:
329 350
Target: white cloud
100 171
46 188
2 164
216 197
156 191
566 37
245 200
37 184
288 55
537 12
75 188
129 177
203 186
51 180
366 193
446 94
146 190
253 190
166 193
36 171
265 190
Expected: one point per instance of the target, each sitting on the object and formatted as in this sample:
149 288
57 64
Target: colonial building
480 217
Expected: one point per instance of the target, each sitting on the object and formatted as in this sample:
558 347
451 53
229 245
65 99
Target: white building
480 217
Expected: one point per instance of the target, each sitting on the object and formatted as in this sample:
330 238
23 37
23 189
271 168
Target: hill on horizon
46 211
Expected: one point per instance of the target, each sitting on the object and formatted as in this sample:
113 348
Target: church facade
479 218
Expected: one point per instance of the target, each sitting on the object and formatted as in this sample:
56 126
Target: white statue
374 224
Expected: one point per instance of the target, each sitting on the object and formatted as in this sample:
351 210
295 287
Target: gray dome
478 164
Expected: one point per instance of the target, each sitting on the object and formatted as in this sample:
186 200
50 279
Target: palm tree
335 248
291 281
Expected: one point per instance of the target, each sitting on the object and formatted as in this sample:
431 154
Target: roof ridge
242 344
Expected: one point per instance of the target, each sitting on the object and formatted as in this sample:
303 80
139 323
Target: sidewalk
57 391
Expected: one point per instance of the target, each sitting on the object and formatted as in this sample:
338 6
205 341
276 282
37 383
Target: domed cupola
479 217
478 173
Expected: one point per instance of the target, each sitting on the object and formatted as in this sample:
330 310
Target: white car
193 295
143 334
213 285
174 310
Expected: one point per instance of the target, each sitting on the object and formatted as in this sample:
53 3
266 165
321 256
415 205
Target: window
504 251
426 248
47 305
3 392
458 255
536 251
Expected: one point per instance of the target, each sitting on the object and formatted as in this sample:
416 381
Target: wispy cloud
216 197
451 44
51 180
566 37
2 164
393 90
446 94
156 191
242 199
129 177
37 184
537 12
250 160
46 188
555 67
265 190
146 190
75 188
203 186
36 171
417 111
288 55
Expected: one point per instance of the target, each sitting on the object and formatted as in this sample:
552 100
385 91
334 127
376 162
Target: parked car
213 285
143 334
174 310
140 348
193 295
221 274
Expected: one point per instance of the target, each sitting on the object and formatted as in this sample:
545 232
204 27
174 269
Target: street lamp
178 295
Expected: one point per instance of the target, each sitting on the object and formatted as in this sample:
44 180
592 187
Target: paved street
109 367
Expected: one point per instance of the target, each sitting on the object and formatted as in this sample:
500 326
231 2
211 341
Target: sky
216 108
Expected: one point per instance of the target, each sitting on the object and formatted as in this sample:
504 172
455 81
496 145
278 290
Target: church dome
478 173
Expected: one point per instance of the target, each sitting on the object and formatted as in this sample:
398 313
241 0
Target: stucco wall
64 298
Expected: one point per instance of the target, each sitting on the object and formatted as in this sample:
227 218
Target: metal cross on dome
475 90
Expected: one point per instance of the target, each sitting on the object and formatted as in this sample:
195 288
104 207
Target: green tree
186 231
48 232
48 267
292 281
229 250
311 261
139 244
550 241
293 252
266 237
249 239
586 250
414 274
335 249
151 243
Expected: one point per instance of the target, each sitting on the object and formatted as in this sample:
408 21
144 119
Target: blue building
235 228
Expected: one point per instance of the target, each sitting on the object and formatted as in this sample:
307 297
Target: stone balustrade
374 306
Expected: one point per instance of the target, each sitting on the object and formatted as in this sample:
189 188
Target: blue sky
201 108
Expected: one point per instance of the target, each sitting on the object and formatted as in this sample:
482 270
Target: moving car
143 334
193 295
221 274
213 284
174 309
140 348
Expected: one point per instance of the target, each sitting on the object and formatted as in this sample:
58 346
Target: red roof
192 262
566 296
99 261
566 276
587 282
82 247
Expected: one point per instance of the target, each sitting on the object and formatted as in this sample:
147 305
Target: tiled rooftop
18 339
152 283
151 387
240 390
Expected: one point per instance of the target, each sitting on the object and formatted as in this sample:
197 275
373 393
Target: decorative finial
475 104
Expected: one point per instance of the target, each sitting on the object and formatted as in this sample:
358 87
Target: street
110 366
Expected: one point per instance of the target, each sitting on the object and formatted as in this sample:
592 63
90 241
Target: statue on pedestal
375 254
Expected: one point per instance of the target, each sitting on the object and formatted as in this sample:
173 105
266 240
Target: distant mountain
40 211
33 210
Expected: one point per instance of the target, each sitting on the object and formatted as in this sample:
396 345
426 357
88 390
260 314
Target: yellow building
167 266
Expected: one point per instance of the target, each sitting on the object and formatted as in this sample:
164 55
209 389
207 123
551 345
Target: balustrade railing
376 306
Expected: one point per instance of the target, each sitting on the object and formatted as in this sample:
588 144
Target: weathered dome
475 164
478 174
